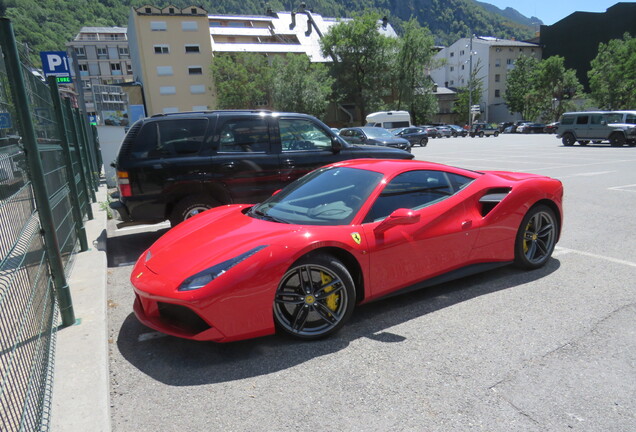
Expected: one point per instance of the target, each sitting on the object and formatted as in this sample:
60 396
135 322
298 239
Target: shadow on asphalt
125 249
181 362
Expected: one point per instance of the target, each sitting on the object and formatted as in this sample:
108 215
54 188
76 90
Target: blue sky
551 11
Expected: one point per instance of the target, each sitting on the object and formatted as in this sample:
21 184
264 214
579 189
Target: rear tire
617 140
423 142
536 237
191 206
481 134
496 134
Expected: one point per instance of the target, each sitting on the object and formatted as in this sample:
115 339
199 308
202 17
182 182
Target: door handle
229 165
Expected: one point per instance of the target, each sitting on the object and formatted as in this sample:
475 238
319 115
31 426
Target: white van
389 119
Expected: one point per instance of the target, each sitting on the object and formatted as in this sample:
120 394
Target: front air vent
491 198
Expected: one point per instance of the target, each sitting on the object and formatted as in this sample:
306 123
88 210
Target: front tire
536 238
568 140
315 298
423 142
617 140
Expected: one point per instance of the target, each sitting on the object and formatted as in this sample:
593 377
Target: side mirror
400 216
336 144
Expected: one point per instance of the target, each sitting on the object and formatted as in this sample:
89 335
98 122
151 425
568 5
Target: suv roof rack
212 111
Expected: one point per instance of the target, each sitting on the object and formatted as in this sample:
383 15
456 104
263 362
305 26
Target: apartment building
492 60
171 55
102 59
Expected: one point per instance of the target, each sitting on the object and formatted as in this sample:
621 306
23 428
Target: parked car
529 128
377 136
301 261
430 130
551 127
517 127
616 127
444 131
483 130
174 166
504 125
458 131
415 135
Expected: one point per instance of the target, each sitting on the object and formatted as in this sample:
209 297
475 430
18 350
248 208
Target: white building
492 59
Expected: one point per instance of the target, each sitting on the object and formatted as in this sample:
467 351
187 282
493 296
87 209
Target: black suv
174 166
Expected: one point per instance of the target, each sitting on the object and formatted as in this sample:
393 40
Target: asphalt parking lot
549 350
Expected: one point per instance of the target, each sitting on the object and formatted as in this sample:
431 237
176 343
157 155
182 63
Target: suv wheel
617 139
568 139
191 206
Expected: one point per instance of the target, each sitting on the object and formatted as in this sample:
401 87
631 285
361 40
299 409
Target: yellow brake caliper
332 300
525 241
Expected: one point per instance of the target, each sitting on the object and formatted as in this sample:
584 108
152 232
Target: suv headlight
201 279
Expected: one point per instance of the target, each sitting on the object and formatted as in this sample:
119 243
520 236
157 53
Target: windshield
327 196
378 133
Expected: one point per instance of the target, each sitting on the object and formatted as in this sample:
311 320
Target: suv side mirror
400 216
336 144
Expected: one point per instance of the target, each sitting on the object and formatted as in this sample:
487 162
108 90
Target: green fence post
70 173
29 139
86 156
80 158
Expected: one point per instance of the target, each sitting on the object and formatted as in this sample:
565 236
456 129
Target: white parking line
562 251
626 188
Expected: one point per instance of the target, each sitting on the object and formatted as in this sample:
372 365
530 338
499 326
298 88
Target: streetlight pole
470 82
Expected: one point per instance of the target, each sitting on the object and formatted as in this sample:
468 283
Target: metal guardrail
49 171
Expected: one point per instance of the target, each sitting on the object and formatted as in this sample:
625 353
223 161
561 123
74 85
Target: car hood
211 238
375 151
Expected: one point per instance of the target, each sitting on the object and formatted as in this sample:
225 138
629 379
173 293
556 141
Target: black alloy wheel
315 298
568 139
536 237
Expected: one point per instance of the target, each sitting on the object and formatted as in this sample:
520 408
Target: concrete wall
110 139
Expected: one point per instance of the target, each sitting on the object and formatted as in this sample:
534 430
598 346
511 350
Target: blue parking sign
5 121
55 63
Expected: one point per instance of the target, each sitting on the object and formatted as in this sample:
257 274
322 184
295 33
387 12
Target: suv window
302 134
170 138
244 135
596 119
581 120
567 120
412 190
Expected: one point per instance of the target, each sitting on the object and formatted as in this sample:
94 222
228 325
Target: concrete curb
81 390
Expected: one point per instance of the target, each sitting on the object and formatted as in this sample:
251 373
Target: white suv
616 127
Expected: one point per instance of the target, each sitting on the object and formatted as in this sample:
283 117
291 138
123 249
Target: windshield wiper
262 215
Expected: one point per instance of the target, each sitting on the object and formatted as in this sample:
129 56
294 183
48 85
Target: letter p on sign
55 63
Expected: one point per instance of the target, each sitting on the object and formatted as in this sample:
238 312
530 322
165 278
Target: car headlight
201 279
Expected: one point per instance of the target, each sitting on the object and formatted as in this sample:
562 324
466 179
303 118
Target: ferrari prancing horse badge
356 237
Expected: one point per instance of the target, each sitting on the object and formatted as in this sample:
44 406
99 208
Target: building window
170 110
102 51
497 93
520 49
148 10
452 54
463 67
115 67
80 52
497 62
189 26
195 70
158 26
497 78
197 89
497 49
508 61
461 52
123 51
167 90
171 10
215 24
162 49
82 67
452 68
192 49
199 108
452 82
164 70
129 68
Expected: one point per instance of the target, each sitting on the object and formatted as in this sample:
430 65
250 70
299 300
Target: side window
567 120
249 135
302 134
630 118
595 119
179 137
581 120
412 190
145 142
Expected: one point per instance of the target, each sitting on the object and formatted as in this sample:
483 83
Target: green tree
555 87
520 94
413 87
300 86
361 55
613 74
242 80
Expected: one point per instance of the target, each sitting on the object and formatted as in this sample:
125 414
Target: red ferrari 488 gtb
343 235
